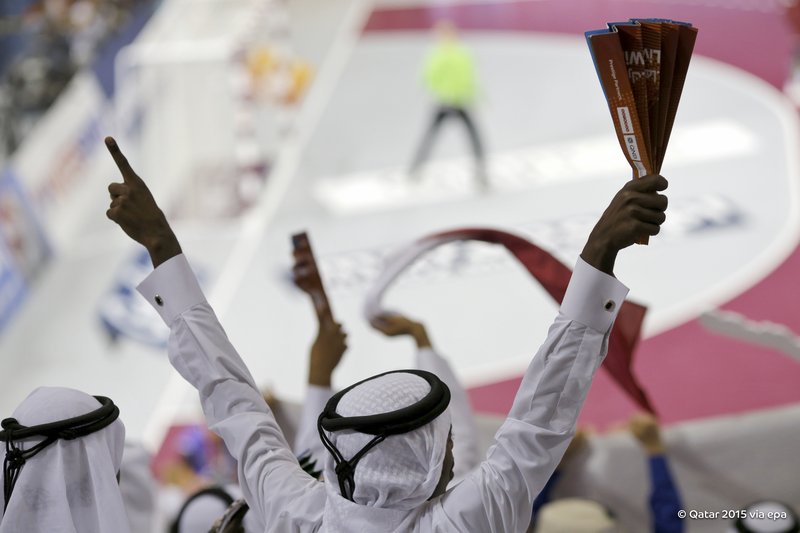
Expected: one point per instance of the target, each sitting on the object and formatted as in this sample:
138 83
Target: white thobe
307 441
496 497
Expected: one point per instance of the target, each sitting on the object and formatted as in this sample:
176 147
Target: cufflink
160 301
610 305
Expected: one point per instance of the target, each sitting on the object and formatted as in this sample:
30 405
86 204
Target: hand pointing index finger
124 167
135 210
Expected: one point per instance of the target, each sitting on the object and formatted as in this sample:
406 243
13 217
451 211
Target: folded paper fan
642 66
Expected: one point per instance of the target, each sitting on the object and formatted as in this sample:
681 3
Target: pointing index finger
122 162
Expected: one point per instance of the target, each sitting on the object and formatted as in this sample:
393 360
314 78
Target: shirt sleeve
665 502
307 442
499 495
200 351
465 434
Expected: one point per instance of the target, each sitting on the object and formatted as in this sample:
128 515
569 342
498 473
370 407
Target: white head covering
574 515
70 486
401 472
138 487
766 523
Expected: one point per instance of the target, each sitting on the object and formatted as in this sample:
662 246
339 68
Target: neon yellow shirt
450 74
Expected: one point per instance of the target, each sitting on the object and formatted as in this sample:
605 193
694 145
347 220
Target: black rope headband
218 492
69 429
381 425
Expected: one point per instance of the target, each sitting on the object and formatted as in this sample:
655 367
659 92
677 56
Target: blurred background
254 119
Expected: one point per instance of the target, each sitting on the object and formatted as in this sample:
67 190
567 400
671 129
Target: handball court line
255 223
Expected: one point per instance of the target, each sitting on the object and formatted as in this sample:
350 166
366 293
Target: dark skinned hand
326 352
135 210
393 325
635 211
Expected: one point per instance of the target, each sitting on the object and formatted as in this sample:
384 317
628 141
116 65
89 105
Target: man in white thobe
398 486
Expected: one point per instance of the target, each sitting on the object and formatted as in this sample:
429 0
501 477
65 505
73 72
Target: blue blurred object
196 449
24 249
124 313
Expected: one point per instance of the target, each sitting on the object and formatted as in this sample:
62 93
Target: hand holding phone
306 276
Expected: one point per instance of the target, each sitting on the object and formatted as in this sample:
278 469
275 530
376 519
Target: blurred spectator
584 517
138 487
665 500
47 44
466 452
547 517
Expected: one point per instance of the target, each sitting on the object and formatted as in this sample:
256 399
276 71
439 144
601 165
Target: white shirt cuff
172 288
593 298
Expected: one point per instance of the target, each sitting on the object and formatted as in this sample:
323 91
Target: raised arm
499 495
323 358
276 488
665 501
325 353
466 453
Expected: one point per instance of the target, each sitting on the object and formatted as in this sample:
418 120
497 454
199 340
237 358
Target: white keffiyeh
71 485
401 472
